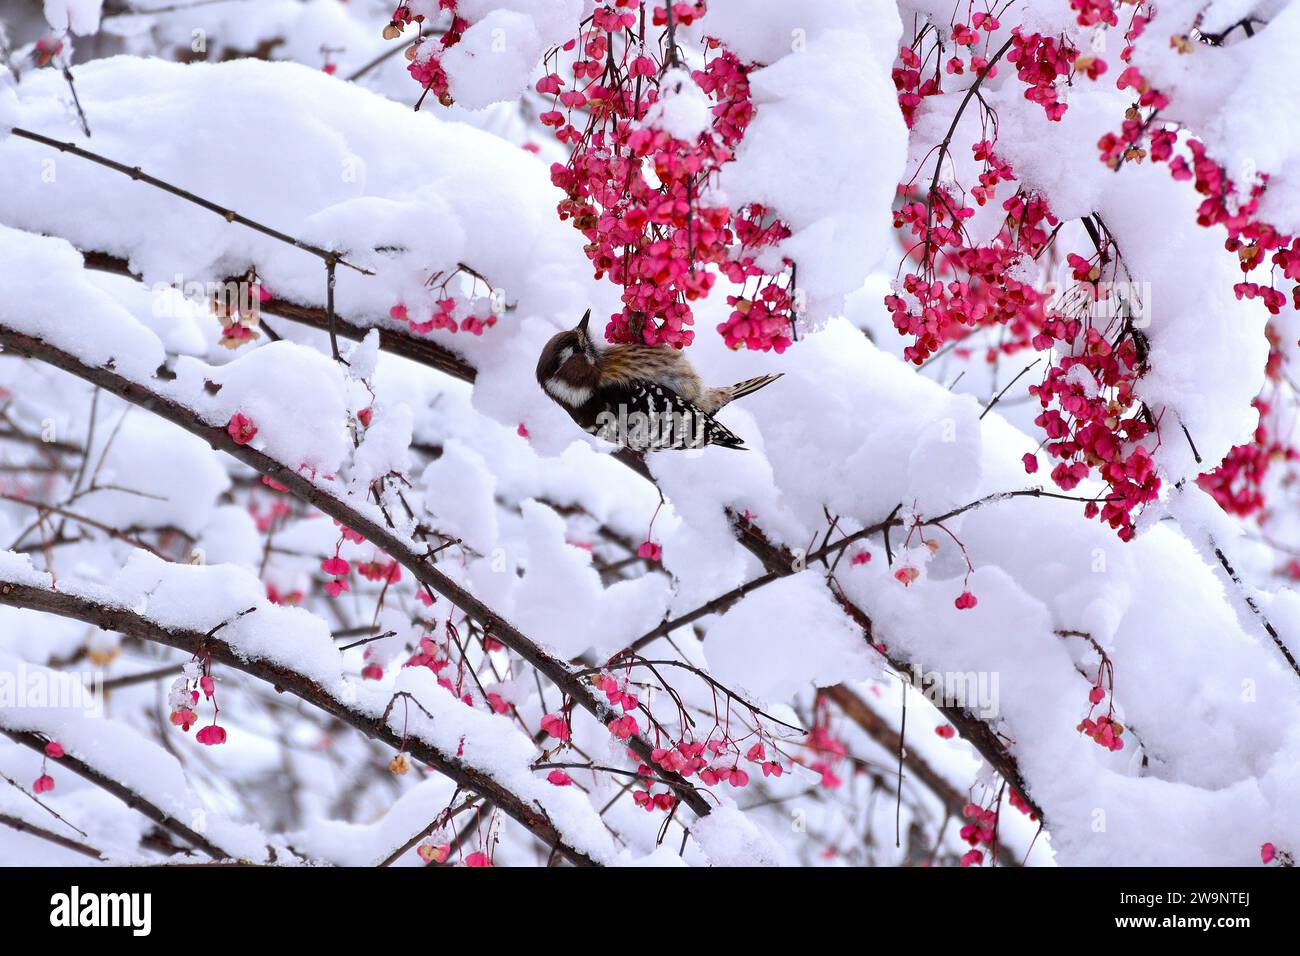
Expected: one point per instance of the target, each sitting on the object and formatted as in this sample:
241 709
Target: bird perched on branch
644 397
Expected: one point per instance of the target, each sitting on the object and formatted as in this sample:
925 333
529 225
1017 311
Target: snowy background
395 608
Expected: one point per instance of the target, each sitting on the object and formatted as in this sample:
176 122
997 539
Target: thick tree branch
777 562
399 549
106 783
978 733
283 679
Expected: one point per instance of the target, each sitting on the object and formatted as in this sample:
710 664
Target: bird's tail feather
748 387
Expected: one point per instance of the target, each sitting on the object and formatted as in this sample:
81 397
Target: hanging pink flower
211 735
335 566
241 428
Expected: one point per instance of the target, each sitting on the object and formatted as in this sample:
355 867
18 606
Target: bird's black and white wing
645 416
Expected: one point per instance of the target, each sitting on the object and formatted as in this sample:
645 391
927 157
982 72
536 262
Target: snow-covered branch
388 726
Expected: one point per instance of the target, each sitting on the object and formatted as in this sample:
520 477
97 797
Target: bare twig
139 175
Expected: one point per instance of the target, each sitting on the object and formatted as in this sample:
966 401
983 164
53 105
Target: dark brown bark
419 565
777 562
283 680
106 783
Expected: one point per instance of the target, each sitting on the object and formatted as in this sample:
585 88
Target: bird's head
569 362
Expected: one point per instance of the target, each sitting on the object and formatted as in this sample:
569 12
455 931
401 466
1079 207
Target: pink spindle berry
211 735
241 428
335 566
556 726
623 727
433 852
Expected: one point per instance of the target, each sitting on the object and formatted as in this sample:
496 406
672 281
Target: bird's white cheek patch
568 394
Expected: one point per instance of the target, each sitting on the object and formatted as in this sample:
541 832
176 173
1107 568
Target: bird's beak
584 337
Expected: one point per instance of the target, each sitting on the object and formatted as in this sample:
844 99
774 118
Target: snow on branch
530 804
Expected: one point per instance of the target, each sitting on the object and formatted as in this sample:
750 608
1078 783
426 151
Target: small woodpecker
643 397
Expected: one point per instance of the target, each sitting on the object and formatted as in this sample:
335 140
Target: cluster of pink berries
1237 483
654 236
437 658
45 783
959 286
980 829
1105 729
184 697
1041 61
476 317
424 55
825 751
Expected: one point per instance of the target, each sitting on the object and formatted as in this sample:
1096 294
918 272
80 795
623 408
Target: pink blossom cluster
980 829
45 783
477 316
958 285
425 60
1237 482
184 696
654 235
1041 61
1093 423
825 751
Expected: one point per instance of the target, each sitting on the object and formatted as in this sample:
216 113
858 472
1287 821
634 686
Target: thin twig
230 215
